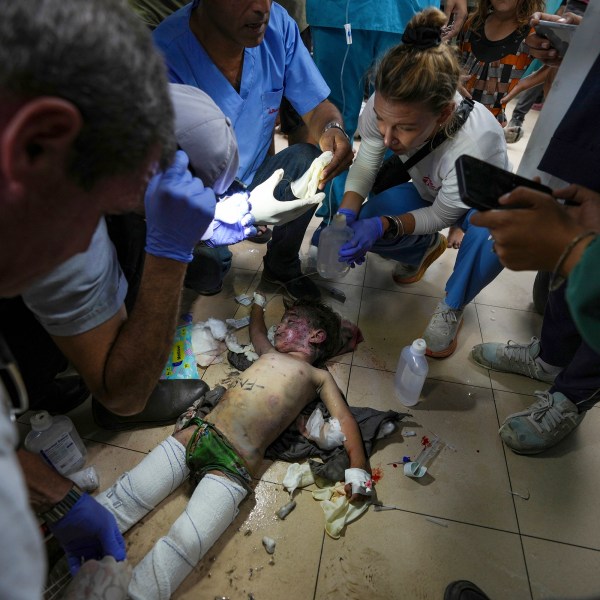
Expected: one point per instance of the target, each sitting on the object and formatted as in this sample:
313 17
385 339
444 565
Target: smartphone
480 184
558 34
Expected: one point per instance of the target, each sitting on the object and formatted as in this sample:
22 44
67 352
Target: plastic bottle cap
419 346
339 220
41 421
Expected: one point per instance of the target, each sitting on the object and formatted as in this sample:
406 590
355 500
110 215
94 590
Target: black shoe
169 399
464 590
61 395
295 287
263 235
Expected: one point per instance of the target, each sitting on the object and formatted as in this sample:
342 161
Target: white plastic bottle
331 240
57 440
411 372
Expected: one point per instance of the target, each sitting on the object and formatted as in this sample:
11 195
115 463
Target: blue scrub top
280 66
373 15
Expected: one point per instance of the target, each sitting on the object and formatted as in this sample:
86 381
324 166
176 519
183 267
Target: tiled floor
521 527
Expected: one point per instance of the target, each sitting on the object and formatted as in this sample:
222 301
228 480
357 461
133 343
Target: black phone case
480 184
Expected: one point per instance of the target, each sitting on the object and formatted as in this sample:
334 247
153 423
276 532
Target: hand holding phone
558 34
480 184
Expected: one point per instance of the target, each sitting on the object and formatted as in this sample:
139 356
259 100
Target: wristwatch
336 125
391 233
61 508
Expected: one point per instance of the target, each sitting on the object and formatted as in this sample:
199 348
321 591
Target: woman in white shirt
415 97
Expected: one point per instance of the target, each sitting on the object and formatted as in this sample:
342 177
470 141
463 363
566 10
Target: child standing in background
493 54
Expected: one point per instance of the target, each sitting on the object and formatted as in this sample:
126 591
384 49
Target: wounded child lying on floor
224 451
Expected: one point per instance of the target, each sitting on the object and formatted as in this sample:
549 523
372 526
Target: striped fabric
493 67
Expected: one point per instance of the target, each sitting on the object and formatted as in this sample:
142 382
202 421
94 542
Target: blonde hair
411 72
524 10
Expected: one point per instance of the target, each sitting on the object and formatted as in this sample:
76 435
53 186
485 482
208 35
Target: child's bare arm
338 409
258 328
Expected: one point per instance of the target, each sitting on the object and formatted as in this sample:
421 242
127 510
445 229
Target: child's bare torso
265 400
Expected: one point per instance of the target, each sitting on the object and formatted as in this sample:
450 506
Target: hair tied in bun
422 37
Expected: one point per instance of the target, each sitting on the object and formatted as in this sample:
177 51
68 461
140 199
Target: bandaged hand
178 211
260 300
267 210
366 233
233 221
88 531
358 483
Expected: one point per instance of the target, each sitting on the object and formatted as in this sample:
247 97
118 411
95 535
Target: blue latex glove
233 221
178 211
351 215
366 233
88 531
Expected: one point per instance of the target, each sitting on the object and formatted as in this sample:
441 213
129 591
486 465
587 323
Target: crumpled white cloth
306 185
337 508
339 511
210 340
298 475
326 434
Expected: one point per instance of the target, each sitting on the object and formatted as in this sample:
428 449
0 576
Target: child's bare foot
455 236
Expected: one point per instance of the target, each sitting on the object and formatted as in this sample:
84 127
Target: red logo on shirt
427 181
273 110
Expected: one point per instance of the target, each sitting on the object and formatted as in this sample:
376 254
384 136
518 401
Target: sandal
263 235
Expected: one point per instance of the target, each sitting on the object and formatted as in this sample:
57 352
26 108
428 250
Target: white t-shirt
22 556
435 175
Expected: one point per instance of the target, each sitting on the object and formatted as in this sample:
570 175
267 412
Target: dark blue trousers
562 346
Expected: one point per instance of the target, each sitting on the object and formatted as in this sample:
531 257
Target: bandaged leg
211 509
138 491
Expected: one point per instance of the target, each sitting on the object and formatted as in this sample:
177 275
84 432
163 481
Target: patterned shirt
494 67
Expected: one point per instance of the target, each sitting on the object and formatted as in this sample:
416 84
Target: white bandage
211 509
361 481
306 185
260 300
138 491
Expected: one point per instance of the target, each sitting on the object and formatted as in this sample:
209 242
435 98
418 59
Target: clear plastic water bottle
57 441
331 240
411 372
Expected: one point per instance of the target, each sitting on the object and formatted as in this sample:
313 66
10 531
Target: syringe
418 467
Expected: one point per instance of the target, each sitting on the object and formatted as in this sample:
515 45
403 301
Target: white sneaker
513 358
404 274
545 423
441 334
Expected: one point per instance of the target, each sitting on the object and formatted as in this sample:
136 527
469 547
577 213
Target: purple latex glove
178 211
233 221
88 531
351 215
366 233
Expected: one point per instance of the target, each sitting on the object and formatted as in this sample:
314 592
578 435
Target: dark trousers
562 346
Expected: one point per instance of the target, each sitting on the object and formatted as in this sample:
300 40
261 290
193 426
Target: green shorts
209 450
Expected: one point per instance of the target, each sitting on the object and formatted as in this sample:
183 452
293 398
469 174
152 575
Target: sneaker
464 590
512 358
544 424
441 334
514 131
404 274
295 288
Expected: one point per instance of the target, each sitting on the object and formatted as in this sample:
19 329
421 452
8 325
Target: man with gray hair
85 120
